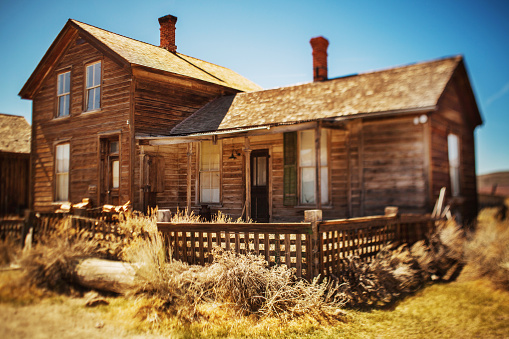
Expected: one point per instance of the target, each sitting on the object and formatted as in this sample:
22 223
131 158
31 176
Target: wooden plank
256 243
266 246
209 247
298 259
288 260
201 250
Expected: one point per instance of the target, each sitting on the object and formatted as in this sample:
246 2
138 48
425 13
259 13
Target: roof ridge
152 45
102 29
457 56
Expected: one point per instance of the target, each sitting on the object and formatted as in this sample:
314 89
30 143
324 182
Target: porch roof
416 87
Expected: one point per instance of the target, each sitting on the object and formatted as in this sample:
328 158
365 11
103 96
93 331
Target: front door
110 171
260 185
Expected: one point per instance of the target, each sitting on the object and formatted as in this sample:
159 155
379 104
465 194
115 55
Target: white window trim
93 87
200 171
59 95
454 164
300 167
57 173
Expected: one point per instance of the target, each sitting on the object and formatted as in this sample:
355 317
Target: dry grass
9 251
51 261
243 282
487 251
395 273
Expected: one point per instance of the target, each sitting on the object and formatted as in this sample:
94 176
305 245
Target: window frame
56 197
93 87
454 166
60 95
219 171
299 169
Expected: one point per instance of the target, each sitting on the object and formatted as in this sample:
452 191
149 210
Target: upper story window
210 172
62 161
63 93
307 167
93 86
453 146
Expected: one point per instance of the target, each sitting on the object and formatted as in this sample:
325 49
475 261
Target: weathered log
105 275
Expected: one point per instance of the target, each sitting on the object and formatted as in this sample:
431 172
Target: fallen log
105 275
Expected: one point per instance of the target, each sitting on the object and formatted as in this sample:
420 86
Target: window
63 93
210 157
93 87
62 172
454 163
307 167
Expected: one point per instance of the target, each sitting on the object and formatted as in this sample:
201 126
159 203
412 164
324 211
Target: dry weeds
487 250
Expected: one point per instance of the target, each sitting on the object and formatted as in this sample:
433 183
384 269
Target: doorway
110 171
260 185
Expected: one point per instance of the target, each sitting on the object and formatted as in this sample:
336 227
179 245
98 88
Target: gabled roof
416 87
134 52
15 132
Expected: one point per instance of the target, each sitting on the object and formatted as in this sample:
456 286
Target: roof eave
55 51
45 65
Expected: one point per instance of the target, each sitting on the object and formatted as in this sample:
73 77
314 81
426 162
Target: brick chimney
319 45
167 29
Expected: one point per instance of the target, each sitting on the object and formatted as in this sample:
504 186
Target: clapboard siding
14 180
451 117
159 106
393 165
81 129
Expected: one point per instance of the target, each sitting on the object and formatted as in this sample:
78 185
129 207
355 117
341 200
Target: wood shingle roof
408 88
15 132
155 57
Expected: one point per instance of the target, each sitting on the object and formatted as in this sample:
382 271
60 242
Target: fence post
314 217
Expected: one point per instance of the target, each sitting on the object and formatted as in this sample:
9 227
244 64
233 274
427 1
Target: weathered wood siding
451 118
14 181
393 165
81 128
161 102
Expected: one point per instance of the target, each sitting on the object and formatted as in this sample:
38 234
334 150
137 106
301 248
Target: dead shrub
442 251
394 273
50 263
390 276
9 251
487 250
245 282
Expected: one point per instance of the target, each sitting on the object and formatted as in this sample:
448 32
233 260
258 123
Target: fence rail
311 248
11 228
285 243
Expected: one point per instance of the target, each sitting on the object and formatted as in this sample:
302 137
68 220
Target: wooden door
110 171
260 185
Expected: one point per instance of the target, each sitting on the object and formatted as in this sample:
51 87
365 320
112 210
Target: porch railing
311 248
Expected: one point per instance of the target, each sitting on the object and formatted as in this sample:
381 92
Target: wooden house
14 164
117 120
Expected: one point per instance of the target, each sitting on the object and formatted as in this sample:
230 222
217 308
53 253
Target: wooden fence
310 248
100 225
12 228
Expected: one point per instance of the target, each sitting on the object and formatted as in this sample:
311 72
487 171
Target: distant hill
497 183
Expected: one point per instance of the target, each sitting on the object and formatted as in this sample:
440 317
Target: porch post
247 152
189 174
318 173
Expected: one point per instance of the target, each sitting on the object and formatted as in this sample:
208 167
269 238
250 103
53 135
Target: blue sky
268 42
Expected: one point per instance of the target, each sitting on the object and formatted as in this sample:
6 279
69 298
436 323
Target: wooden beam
189 175
318 167
348 173
361 168
247 152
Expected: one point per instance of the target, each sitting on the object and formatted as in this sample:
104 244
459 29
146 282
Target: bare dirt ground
58 320
57 317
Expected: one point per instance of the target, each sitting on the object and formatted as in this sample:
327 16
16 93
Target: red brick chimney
319 45
167 30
